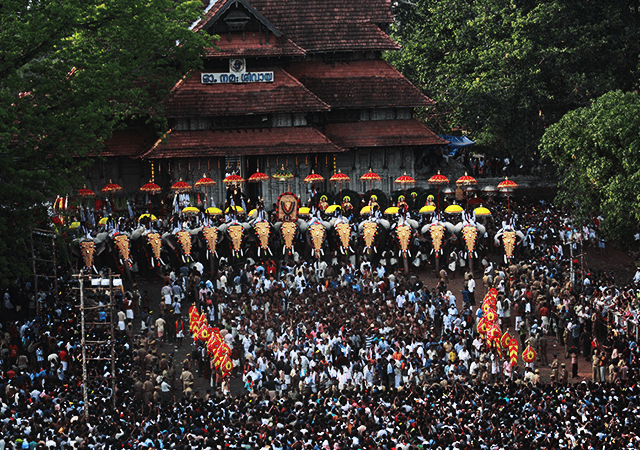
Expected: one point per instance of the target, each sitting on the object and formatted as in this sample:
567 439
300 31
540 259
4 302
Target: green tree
71 72
504 70
597 151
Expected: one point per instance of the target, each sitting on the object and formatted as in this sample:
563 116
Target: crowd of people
337 356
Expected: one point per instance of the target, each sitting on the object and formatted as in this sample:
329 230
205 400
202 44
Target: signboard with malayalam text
246 77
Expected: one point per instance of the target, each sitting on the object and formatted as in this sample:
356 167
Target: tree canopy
71 72
597 150
504 70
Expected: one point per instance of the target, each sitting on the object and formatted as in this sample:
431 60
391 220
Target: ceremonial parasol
313 178
111 188
237 209
365 210
233 179
466 180
453 209
438 180
205 182
147 215
150 188
405 180
180 187
427 209
74 225
482 211
391 210
370 176
332 208
507 187
86 193
213 211
190 210
304 211
340 178
283 175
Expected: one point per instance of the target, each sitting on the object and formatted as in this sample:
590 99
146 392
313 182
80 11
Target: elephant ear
195 231
135 234
457 228
277 226
521 236
101 237
481 229
414 223
246 226
385 223
425 229
451 228
222 228
302 226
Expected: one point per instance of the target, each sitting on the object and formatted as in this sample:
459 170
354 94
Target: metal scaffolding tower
98 332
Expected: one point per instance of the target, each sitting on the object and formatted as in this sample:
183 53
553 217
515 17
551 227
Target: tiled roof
254 45
191 98
382 133
359 84
319 25
267 141
132 141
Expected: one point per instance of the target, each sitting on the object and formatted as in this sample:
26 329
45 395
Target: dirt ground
620 262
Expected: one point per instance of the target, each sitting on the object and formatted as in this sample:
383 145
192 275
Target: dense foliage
597 150
70 73
504 70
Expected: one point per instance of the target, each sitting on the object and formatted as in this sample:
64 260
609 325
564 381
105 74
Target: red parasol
466 180
340 177
507 185
313 178
205 181
370 176
258 177
111 188
150 188
86 193
181 186
438 179
405 180
233 179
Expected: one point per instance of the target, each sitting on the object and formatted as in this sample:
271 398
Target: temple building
295 84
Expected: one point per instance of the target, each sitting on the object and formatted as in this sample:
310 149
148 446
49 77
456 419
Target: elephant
403 233
469 232
318 237
438 234
89 251
510 239
148 252
295 238
373 239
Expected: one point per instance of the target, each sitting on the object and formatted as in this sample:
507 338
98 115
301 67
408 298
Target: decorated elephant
88 252
469 232
294 238
319 231
403 234
511 239
341 234
148 252
373 237
437 233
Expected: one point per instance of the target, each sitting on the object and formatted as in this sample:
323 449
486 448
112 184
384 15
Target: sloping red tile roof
382 133
359 84
266 141
132 142
323 25
191 98
252 47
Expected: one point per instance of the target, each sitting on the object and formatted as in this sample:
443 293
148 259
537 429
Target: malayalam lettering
247 77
